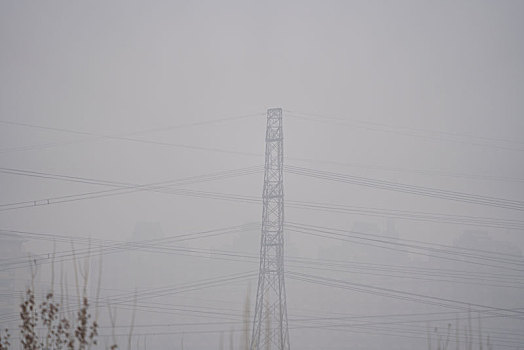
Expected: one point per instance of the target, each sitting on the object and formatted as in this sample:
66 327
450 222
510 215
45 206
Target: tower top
272 111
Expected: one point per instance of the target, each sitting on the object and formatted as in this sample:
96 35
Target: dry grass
51 325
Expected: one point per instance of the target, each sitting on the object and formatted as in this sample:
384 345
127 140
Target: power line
122 188
162 187
409 248
474 140
125 137
410 189
404 295
120 136
404 245
463 251
408 215
110 246
159 246
163 291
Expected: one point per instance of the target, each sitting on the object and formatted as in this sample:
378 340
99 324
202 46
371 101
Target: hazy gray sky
427 93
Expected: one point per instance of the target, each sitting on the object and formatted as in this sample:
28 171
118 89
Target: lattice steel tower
270 331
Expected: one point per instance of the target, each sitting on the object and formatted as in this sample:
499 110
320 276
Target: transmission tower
270 331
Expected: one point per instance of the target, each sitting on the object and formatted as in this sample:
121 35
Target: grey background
416 92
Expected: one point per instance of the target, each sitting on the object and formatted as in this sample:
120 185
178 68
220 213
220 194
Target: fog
132 152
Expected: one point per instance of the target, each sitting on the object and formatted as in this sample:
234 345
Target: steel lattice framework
270 329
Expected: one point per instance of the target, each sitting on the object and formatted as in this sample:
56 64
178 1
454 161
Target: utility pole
270 309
